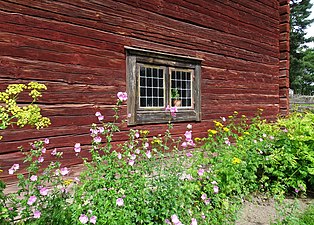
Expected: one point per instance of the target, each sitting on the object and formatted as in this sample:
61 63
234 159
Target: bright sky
310 30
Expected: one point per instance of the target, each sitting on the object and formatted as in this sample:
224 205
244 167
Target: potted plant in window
175 97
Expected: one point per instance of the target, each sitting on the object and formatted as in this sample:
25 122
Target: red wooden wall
76 48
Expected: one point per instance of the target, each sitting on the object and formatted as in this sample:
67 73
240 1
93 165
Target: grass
307 217
300 218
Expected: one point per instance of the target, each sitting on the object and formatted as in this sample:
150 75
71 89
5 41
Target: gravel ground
262 211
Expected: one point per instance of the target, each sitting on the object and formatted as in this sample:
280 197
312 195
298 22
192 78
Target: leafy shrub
166 180
11 113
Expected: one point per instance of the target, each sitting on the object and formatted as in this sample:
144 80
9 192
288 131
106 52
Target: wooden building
216 55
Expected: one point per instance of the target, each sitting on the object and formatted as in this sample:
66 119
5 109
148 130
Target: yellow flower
243 116
197 139
156 141
67 182
241 138
1 171
235 112
236 160
218 124
144 132
246 133
226 129
230 117
212 131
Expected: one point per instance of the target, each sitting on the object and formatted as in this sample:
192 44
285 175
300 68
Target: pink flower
14 168
119 202
43 150
204 196
77 179
83 219
189 177
146 145
203 216
168 222
227 142
37 214
133 156
77 147
129 115
216 189
175 220
101 129
11 171
148 154
64 171
97 139
173 110
43 191
194 221
41 159
200 172
188 135
189 126
191 143
100 117
189 154
131 162
207 201
137 135
46 141
33 178
122 96
119 156
184 144
93 219
271 137
54 152
137 151
223 119
93 131
32 199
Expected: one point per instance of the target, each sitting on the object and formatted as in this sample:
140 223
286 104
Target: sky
310 30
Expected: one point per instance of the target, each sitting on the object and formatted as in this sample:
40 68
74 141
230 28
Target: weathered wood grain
77 49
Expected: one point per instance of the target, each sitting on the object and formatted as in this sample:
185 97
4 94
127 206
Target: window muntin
151 86
185 77
181 88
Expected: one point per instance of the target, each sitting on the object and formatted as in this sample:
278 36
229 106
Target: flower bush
162 179
11 113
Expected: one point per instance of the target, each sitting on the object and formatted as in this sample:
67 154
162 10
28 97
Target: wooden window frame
146 115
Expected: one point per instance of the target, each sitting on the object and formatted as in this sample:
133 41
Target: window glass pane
181 92
151 86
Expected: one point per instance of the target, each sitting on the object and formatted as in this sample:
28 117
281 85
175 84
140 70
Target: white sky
310 30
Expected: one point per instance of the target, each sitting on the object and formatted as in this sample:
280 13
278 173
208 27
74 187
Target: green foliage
299 58
156 180
307 217
11 113
290 215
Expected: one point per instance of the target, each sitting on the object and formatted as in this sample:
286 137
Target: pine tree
299 22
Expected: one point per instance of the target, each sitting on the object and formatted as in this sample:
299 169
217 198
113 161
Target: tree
300 11
308 72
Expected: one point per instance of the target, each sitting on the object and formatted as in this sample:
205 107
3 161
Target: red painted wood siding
76 48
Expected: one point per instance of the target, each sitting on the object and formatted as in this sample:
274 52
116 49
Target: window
156 80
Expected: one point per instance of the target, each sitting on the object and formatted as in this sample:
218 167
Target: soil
262 211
